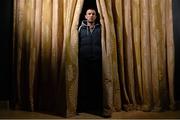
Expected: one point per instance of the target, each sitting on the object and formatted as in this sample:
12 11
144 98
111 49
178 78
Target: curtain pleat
137 55
129 73
111 91
31 42
19 35
60 94
36 52
136 45
154 55
170 52
145 55
54 48
118 24
45 56
106 71
158 52
70 53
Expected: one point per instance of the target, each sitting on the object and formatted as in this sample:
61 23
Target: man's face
90 15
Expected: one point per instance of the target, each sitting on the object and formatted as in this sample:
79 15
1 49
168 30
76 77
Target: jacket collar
84 25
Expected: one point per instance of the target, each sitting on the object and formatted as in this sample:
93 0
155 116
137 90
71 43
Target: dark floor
116 115
11 114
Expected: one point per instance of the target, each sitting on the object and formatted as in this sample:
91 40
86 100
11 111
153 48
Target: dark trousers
90 85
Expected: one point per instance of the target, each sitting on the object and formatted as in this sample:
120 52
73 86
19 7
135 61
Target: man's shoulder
82 28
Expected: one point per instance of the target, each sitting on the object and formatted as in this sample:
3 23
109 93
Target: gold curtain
137 45
45 54
138 48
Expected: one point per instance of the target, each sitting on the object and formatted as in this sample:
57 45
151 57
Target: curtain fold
140 28
70 57
137 55
111 95
145 55
136 27
170 54
129 69
45 63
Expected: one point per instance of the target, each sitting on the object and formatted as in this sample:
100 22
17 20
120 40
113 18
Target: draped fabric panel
70 58
145 54
169 44
111 94
137 51
142 57
45 54
141 28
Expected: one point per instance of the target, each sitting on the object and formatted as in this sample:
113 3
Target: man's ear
85 16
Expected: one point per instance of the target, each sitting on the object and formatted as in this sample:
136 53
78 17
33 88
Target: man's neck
90 24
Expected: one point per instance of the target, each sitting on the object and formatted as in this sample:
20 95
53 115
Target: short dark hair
92 8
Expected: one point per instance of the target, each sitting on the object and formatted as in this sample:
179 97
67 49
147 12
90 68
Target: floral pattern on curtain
138 54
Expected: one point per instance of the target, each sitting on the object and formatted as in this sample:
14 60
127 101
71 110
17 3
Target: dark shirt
89 42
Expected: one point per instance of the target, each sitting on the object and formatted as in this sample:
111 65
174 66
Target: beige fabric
143 55
169 43
137 52
70 52
109 58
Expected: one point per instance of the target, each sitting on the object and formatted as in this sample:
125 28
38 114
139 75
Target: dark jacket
89 42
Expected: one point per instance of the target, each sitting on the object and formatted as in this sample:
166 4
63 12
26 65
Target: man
90 65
